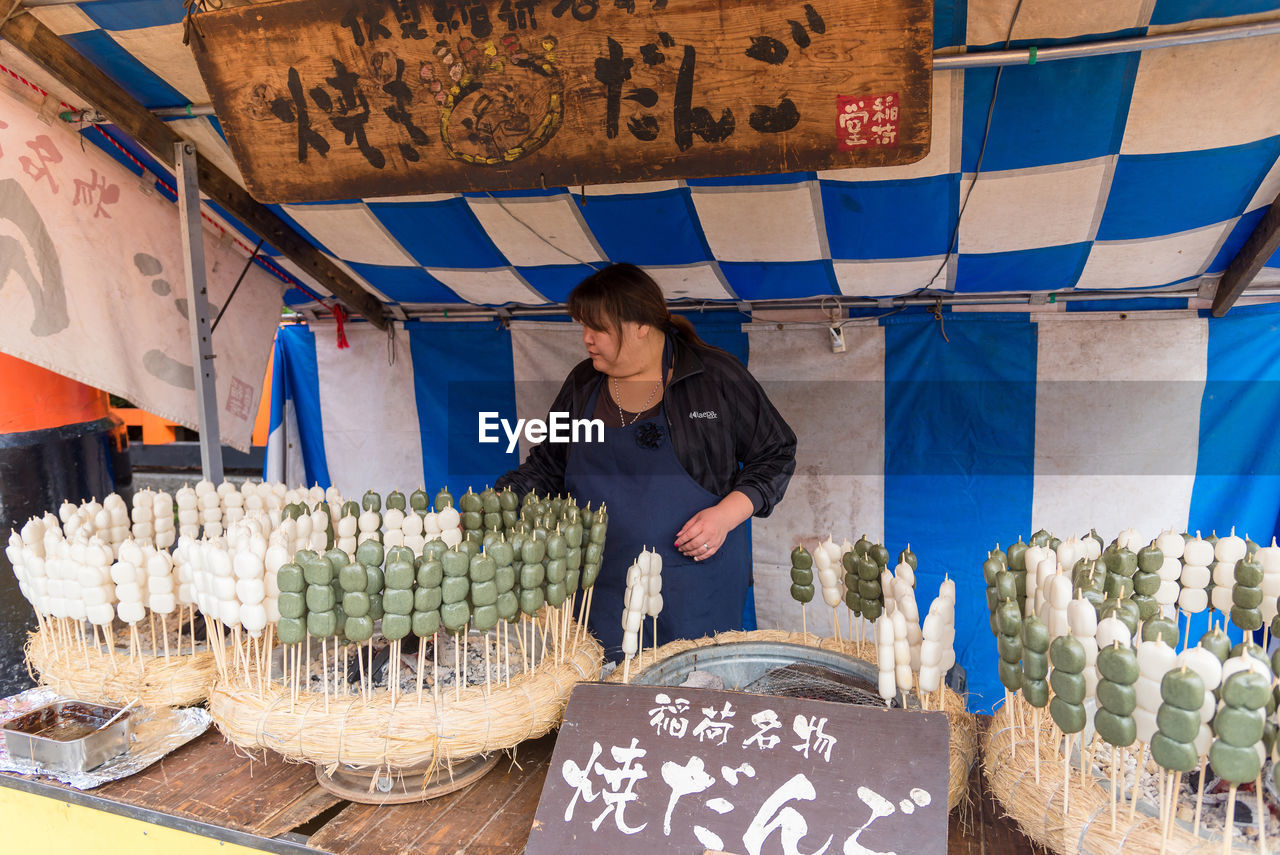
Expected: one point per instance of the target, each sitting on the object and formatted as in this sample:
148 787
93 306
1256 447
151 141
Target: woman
692 448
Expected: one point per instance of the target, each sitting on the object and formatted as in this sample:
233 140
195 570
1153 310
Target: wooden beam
81 76
1260 246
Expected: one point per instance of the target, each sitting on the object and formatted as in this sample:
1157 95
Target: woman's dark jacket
717 416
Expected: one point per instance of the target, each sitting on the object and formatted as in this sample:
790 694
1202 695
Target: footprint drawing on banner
159 364
28 252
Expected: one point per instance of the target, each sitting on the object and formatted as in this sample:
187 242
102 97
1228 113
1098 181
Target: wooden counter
207 796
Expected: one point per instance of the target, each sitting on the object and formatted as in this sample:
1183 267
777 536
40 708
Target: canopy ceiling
1142 171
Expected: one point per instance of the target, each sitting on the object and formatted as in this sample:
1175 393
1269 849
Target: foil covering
155 734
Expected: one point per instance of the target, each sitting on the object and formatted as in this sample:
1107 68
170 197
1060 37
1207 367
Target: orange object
155 429
34 398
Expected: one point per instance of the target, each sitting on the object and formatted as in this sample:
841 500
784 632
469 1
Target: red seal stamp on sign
866 120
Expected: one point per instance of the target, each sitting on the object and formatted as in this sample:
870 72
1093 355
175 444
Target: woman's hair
624 292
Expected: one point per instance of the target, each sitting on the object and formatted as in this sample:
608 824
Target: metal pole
184 156
1023 56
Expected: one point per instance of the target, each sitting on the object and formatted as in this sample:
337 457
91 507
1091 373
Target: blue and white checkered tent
1071 223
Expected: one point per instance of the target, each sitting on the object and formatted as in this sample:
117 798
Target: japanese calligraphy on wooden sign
340 99
653 769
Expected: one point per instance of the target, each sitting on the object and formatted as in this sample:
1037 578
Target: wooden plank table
208 788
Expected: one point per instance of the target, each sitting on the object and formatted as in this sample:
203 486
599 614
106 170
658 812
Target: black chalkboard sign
657 769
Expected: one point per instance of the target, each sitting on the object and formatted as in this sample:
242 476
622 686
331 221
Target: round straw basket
964 739
354 732
1009 761
92 674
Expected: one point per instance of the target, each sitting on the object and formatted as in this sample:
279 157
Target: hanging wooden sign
340 99
642 769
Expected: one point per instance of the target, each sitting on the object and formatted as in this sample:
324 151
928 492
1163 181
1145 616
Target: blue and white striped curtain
950 435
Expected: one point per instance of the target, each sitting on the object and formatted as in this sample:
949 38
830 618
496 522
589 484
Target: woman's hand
704 534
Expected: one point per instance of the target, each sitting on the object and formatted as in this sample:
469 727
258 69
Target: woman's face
617 353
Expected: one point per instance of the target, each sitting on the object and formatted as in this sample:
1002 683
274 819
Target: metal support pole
184 155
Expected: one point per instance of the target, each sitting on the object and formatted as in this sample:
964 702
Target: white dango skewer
1170 571
162 595
188 512
251 591
162 520
1223 574
450 522
118 513
1032 558
912 634
886 586
302 529
97 591
331 496
186 592
938 636
224 603
902 671
1112 630
318 540
255 496
1083 622
143 516
130 581
1269 558
633 612
1155 659
887 684
210 509
232 501
1044 571
370 524
1057 601
1131 540
413 530
1230 549
1197 555
1209 668
393 526
653 592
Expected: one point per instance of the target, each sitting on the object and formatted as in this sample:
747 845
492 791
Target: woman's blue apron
649 496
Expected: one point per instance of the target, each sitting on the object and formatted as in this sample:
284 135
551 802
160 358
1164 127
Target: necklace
617 399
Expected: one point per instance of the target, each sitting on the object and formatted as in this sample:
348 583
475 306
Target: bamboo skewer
487 686
1066 772
1115 762
360 669
421 667
1229 827
1262 814
1199 799
1137 777
1035 739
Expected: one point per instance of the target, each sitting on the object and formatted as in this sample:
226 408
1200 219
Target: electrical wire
594 265
952 244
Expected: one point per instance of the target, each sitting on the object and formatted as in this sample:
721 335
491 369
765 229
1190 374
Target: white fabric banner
542 355
835 405
1105 387
372 437
92 285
